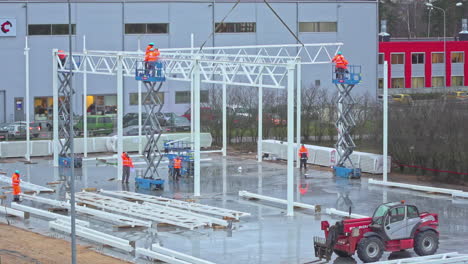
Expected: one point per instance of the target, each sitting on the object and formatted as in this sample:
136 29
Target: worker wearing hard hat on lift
341 64
151 58
62 57
150 46
15 183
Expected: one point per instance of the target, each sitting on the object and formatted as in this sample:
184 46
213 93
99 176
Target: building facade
419 64
121 25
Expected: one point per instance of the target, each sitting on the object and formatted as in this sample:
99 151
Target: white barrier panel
323 156
16 149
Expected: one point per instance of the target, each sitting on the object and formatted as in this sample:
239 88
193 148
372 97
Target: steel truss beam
46 214
104 216
152 212
151 153
28 186
196 207
345 123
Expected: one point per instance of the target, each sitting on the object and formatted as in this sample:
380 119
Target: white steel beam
298 110
452 257
385 121
26 103
290 165
178 255
417 187
85 104
27 185
224 92
195 207
119 117
154 255
55 125
260 120
196 88
46 214
245 194
9 211
333 211
93 235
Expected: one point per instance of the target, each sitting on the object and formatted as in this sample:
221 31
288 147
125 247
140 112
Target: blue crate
149 184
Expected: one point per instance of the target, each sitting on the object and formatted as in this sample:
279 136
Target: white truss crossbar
178 255
333 211
452 257
196 207
315 208
46 214
93 235
27 185
9 211
163 215
454 193
104 216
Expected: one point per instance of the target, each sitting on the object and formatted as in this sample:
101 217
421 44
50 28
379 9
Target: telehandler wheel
341 253
370 249
426 243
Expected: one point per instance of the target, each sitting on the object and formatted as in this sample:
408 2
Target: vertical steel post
140 140
28 133
119 116
260 119
298 110
196 87
192 123
290 181
385 120
224 117
55 125
85 100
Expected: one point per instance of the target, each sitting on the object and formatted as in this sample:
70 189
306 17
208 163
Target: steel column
224 118
28 133
55 125
290 181
385 121
85 102
119 117
196 85
298 110
260 119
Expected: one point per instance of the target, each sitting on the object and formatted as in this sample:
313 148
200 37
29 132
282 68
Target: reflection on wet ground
268 235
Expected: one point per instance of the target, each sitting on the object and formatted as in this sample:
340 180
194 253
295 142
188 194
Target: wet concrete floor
268 235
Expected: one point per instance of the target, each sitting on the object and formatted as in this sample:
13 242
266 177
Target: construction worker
15 183
177 166
151 58
303 156
150 46
341 65
127 164
62 57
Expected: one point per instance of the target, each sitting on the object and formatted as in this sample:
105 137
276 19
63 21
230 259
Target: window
380 83
457 57
398 58
412 212
101 104
134 98
381 58
317 83
50 29
438 57
318 27
417 58
457 80
43 107
438 81
184 97
397 214
154 28
398 82
417 82
243 27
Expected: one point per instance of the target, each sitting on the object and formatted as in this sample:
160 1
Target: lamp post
430 5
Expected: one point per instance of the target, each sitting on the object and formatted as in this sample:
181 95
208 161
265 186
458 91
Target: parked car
16 131
97 125
34 127
179 123
458 95
205 114
132 131
4 131
402 98
131 119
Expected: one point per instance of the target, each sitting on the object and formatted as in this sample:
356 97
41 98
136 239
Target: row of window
163 28
419 58
419 82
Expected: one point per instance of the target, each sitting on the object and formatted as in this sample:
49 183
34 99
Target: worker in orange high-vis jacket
62 57
341 65
150 46
127 164
151 58
15 183
303 156
177 166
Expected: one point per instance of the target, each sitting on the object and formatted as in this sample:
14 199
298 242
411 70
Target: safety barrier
16 149
323 156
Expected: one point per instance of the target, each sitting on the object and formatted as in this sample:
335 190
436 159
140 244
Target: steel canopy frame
267 66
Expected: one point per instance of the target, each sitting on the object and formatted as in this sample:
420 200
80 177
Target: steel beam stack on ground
102 215
28 186
245 194
12 212
452 257
46 214
190 206
169 256
161 215
93 235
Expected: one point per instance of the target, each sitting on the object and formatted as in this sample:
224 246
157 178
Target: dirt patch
18 246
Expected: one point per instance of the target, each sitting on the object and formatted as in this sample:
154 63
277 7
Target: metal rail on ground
315 208
93 235
46 214
452 257
104 216
28 186
190 206
141 211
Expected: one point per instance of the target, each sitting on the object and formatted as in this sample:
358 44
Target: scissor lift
345 80
153 77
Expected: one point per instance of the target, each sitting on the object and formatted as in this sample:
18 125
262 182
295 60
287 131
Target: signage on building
7 27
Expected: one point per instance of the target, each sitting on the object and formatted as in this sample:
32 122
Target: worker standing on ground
303 156
177 167
127 164
341 64
15 183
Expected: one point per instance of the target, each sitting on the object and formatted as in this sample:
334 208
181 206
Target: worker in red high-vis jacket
303 156
127 164
341 65
62 57
15 183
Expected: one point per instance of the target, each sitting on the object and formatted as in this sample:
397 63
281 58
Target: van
97 125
